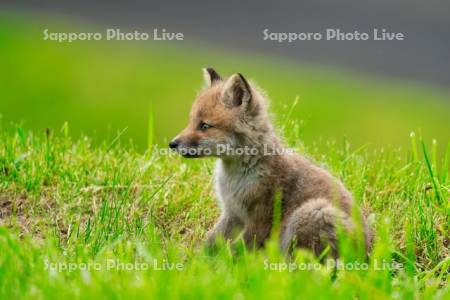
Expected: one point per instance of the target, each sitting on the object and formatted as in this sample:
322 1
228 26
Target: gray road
424 55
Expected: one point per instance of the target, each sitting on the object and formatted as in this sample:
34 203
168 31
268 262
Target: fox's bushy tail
314 225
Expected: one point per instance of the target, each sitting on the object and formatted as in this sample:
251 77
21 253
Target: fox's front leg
225 227
258 227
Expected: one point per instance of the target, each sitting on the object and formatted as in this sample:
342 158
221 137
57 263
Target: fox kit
229 120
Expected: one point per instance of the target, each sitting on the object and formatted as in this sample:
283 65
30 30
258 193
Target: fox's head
228 113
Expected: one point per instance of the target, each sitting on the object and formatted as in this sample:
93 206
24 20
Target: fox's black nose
173 144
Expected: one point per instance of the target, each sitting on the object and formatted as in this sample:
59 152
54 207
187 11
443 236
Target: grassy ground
72 214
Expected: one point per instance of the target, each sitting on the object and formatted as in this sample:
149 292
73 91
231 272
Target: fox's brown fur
233 112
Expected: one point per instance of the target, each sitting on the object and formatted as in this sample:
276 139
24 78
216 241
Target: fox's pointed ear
236 91
211 76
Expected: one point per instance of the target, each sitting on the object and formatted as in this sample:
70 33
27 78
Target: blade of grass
430 171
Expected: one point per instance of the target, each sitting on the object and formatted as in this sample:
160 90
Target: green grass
68 201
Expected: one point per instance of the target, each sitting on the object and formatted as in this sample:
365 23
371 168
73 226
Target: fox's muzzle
188 150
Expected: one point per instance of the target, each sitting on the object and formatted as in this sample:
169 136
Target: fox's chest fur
237 189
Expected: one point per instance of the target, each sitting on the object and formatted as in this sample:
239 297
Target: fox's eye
203 126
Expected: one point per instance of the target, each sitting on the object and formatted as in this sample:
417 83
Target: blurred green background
102 87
